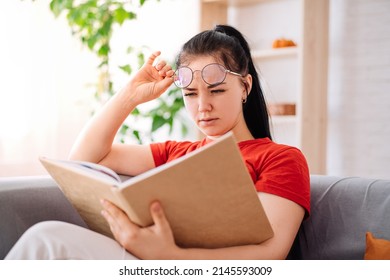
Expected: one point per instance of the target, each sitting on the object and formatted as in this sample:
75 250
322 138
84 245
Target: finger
164 70
162 85
159 217
115 216
110 207
160 65
152 57
170 73
109 212
114 227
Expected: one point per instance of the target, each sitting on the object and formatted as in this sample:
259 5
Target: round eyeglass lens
183 77
214 74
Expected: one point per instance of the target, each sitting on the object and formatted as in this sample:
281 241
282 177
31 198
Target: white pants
59 240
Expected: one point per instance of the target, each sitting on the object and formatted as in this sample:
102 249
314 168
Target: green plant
93 23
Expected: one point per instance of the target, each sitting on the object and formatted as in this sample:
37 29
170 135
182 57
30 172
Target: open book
207 195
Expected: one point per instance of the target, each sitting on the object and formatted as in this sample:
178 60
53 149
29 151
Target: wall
359 79
359 88
44 73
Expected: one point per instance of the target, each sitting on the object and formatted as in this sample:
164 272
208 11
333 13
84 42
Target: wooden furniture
300 80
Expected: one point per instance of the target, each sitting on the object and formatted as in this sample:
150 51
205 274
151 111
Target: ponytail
255 109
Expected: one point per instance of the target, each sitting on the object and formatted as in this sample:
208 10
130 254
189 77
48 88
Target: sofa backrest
343 209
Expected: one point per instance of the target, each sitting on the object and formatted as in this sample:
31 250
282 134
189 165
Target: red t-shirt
275 168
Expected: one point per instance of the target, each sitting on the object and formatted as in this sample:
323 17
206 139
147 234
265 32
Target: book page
93 169
100 169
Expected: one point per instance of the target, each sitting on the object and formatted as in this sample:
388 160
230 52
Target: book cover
207 195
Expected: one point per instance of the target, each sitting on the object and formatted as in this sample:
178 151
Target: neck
240 136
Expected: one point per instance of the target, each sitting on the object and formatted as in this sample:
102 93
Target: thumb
159 217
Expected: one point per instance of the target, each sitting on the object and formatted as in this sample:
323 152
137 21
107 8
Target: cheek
234 100
232 111
231 105
191 107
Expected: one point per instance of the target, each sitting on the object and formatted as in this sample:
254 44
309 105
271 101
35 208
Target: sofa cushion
343 210
376 249
25 201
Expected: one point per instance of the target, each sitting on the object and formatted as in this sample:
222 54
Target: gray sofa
343 210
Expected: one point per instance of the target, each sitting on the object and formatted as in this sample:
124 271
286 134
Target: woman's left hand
153 242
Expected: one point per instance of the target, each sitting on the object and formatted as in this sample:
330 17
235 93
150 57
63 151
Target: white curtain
44 94
46 76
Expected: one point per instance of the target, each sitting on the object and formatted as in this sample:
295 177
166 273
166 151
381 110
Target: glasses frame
223 68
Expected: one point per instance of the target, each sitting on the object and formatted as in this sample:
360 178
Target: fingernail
156 206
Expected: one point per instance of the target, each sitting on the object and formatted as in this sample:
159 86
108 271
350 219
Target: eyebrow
209 86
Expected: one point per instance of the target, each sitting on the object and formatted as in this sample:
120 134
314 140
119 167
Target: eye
189 94
216 91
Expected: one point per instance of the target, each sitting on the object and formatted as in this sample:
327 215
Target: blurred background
328 91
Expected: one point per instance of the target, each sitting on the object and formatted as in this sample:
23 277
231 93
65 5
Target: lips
207 121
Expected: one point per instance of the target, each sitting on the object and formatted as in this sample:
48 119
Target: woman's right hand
150 81
95 143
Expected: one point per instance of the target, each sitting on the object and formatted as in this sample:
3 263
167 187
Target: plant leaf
104 50
58 6
136 112
141 59
126 68
157 122
120 15
137 136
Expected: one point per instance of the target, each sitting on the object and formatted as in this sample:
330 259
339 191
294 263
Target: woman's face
216 110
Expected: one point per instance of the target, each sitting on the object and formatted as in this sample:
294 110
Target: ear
247 84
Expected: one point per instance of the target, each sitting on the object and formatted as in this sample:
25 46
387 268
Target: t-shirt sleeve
159 152
170 150
286 174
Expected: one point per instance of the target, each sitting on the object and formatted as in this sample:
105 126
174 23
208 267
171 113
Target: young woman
222 93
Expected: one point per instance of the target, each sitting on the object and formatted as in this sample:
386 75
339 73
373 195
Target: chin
213 133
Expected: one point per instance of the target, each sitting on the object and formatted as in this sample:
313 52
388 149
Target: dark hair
228 44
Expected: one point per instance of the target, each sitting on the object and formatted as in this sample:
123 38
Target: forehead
198 62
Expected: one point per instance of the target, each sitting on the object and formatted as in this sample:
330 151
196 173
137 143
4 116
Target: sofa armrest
25 201
343 209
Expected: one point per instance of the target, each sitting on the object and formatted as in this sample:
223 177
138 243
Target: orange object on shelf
283 43
281 109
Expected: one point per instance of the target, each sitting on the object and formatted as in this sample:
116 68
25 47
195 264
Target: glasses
212 74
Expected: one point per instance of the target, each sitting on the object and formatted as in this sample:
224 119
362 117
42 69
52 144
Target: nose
204 98
204 101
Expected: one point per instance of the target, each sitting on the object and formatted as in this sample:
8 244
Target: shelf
235 2
276 119
295 74
275 53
